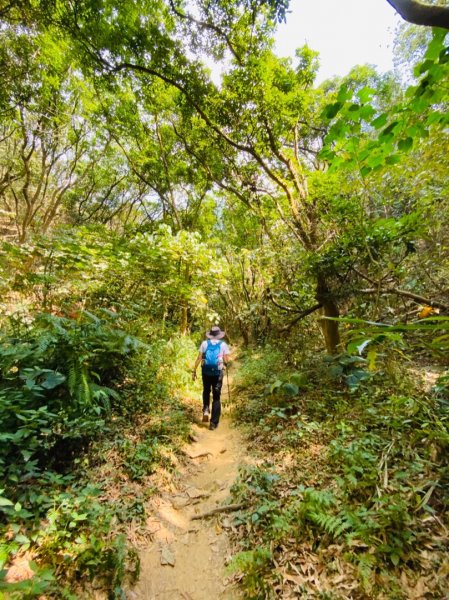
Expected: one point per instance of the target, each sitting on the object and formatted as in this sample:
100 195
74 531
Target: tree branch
281 306
210 26
304 313
218 509
171 195
364 276
248 149
422 14
406 294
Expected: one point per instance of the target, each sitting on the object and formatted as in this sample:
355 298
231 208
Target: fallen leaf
294 578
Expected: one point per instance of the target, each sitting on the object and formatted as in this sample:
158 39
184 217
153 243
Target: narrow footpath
187 559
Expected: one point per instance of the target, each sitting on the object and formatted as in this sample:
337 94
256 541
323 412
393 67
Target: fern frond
332 524
365 566
44 343
322 498
73 377
85 393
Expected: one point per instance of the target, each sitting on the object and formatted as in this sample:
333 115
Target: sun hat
215 333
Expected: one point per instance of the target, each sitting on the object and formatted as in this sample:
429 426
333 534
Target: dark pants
213 382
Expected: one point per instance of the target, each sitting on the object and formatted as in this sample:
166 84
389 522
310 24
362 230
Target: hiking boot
212 426
206 415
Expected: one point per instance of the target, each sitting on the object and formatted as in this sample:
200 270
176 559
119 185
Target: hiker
213 355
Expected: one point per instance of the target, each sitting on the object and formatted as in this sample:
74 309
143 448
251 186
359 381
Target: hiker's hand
193 375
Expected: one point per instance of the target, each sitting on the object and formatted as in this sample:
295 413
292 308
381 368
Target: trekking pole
229 389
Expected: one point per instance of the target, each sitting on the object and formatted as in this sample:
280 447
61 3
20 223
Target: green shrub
366 472
255 564
257 368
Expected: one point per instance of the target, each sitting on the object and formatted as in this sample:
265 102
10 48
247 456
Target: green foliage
441 388
291 388
400 129
430 333
183 202
78 381
348 369
139 459
53 393
73 538
253 372
31 588
255 564
375 483
62 518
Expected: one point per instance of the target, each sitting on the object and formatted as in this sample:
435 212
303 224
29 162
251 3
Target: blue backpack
210 363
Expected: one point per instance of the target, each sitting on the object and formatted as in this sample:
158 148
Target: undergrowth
354 499
89 413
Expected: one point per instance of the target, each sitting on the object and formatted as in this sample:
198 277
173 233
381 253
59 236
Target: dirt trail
187 558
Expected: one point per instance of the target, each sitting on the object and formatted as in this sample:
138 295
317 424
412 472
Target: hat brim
218 336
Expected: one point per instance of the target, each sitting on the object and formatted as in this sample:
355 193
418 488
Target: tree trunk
244 333
184 327
329 309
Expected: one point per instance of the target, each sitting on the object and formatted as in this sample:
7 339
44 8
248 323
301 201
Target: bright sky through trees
344 32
